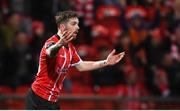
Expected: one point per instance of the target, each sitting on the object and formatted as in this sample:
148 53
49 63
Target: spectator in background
174 16
11 26
24 62
133 88
138 32
171 61
155 49
124 43
153 16
1 47
5 7
8 31
17 62
63 5
161 81
137 29
1 34
155 45
21 6
175 44
176 9
38 39
138 36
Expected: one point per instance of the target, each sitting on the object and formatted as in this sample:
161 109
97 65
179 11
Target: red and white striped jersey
52 71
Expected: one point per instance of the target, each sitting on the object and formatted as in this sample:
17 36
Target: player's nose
77 27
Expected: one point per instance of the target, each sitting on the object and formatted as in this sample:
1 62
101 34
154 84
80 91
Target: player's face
72 25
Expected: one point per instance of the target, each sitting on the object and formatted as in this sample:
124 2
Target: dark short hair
64 16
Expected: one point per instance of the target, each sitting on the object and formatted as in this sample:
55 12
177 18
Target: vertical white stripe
39 67
75 51
58 76
70 51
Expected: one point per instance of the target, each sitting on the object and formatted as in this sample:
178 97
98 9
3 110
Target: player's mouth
75 33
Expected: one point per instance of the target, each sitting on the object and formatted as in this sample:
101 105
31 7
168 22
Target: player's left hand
114 58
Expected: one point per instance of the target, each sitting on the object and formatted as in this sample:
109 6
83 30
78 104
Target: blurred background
148 31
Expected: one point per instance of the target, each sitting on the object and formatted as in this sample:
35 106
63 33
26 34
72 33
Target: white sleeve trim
77 63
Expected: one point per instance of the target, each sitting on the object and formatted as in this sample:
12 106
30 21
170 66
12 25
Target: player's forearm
91 65
53 50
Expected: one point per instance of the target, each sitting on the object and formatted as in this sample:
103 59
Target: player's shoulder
72 47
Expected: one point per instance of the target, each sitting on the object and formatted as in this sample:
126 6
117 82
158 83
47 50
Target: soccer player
57 56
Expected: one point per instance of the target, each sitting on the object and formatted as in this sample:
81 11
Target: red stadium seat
104 11
22 90
4 104
19 104
79 90
107 91
6 90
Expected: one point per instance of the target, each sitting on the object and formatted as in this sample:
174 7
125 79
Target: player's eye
73 23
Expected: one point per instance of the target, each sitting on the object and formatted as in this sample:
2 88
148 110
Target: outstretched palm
114 58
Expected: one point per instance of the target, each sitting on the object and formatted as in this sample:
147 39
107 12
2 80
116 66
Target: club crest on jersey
62 71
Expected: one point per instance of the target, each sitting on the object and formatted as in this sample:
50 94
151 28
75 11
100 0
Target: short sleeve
75 57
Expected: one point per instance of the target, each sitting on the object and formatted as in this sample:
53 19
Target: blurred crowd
147 30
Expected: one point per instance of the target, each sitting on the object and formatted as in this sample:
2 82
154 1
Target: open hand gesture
114 58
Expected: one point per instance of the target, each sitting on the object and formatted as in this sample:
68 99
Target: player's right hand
66 37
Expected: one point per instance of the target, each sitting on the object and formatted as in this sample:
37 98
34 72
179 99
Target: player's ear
62 27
